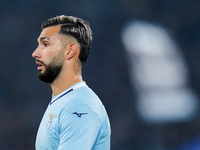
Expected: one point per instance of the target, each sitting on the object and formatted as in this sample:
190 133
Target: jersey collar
73 87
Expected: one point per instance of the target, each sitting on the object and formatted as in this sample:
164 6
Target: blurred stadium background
144 65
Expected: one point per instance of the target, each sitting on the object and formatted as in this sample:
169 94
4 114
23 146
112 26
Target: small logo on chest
51 117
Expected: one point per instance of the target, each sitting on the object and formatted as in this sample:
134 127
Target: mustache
40 62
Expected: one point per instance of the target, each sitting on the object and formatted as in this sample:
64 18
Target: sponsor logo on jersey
79 114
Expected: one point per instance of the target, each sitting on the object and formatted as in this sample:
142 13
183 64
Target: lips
40 65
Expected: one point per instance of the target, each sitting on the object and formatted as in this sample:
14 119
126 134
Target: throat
58 86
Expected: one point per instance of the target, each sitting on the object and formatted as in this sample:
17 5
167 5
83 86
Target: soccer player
75 118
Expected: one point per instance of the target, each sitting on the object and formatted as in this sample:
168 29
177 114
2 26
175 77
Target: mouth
40 65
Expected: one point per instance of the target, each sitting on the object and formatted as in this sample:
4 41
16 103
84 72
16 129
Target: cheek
49 52
52 52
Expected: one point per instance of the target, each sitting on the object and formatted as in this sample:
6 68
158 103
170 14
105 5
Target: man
75 118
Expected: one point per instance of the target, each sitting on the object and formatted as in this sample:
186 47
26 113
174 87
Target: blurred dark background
23 98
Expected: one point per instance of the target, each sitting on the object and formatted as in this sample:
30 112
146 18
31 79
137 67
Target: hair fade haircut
77 28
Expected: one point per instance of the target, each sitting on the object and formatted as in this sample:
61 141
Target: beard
52 70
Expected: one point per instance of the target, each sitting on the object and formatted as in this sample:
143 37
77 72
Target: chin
41 71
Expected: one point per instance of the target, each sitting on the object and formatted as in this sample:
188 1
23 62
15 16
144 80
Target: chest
48 132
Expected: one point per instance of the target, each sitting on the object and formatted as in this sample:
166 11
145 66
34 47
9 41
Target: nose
36 53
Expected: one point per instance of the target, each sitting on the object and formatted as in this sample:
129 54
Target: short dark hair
77 28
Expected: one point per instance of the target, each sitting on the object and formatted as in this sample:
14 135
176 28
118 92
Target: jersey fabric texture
74 120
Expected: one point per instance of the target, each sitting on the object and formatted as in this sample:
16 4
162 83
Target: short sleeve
79 128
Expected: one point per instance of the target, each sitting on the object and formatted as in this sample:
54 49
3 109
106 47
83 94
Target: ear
72 51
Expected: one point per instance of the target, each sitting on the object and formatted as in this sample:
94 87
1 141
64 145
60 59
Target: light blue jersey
74 120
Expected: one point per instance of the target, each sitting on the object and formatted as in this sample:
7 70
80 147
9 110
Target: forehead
50 31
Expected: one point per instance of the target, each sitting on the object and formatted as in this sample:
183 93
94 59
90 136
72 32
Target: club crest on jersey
51 117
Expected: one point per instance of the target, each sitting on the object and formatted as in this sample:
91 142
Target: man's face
49 54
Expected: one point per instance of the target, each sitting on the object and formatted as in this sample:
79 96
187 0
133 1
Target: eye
46 44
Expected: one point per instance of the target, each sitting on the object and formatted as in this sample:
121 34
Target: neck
61 83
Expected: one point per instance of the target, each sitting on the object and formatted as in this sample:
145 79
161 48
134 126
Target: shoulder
79 117
83 96
82 99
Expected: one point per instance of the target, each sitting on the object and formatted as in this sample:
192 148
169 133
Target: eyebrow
42 38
